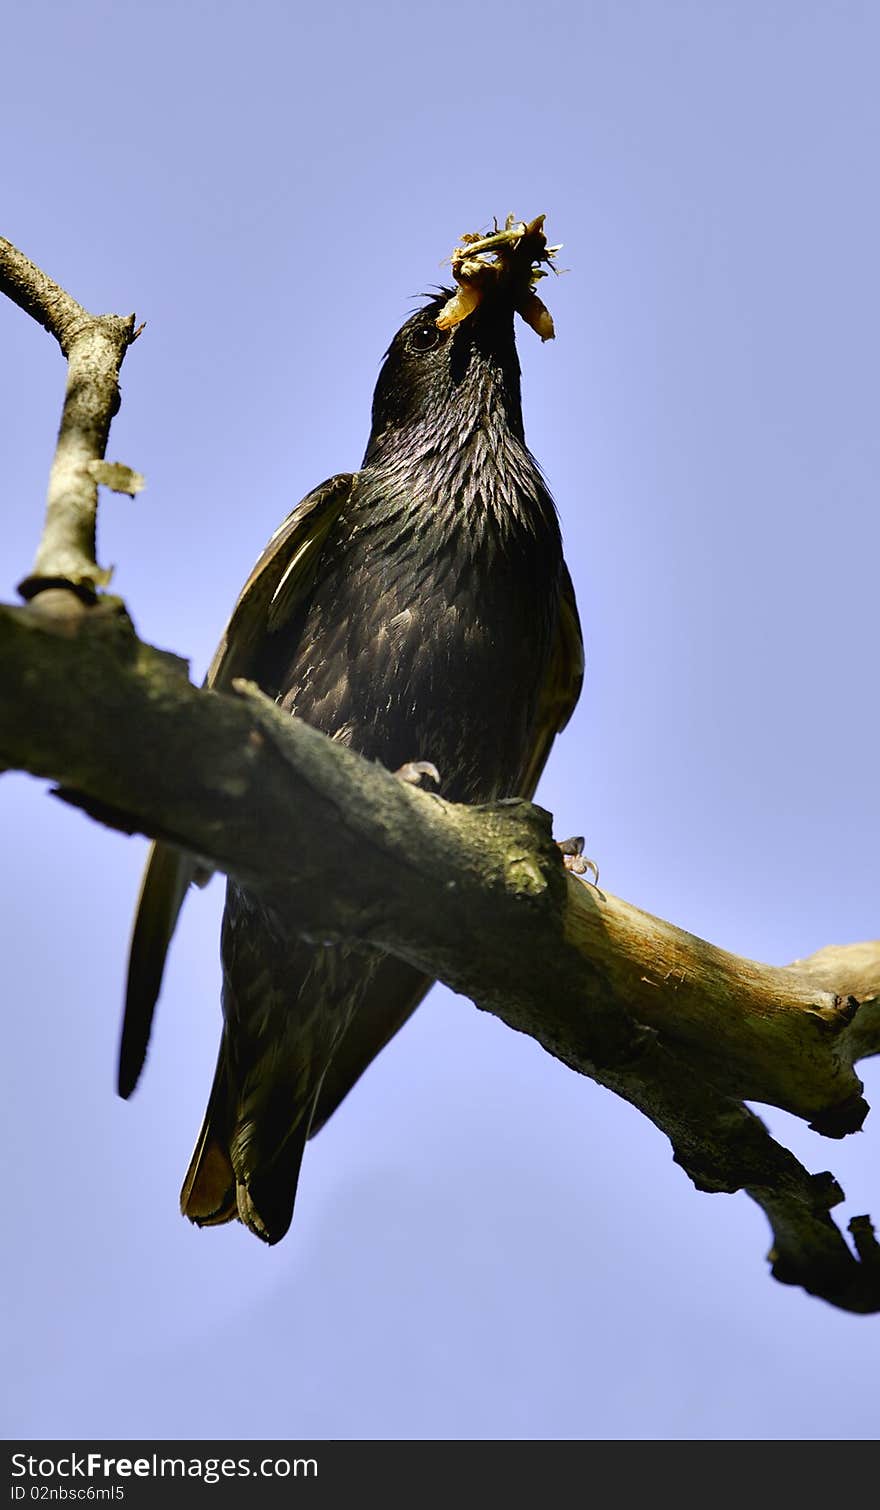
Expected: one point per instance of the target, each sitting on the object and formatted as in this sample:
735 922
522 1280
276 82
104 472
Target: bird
419 611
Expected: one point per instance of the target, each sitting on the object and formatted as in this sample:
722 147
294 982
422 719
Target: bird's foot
574 859
414 770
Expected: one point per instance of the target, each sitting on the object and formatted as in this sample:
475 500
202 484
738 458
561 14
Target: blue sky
485 1245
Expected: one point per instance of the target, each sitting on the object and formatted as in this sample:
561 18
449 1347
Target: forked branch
94 346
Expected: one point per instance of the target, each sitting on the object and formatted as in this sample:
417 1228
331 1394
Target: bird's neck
474 476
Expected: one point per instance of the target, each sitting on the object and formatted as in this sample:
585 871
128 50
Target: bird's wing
397 988
270 597
562 686
279 582
387 1003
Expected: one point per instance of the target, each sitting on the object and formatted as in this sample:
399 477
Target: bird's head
453 366
438 379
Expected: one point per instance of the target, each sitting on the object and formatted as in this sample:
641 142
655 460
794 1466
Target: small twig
94 346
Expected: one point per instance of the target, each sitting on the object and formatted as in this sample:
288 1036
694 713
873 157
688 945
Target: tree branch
94 346
475 896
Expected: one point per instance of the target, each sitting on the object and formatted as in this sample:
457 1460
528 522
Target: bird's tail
242 1169
208 1194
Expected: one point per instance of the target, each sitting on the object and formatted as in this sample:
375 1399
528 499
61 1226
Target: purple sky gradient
485 1245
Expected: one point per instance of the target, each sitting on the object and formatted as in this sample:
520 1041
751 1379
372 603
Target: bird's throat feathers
483 484
447 436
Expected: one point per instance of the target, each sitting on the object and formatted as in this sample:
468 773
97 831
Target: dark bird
418 610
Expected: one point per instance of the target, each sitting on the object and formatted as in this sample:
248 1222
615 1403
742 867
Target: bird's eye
424 338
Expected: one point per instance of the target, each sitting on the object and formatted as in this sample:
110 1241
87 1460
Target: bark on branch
475 896
94 346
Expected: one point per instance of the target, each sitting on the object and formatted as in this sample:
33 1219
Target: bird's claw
574 859
413 771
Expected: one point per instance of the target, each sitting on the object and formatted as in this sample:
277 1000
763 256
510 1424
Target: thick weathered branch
476 896
94 346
